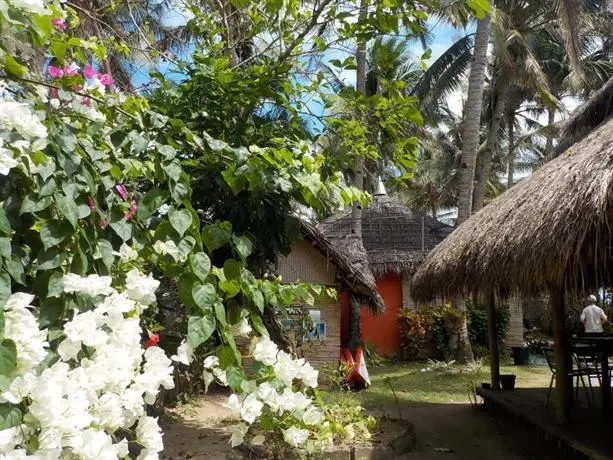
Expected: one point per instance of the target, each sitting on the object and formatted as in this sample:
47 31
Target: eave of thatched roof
546 228
352 265
587 117
396 238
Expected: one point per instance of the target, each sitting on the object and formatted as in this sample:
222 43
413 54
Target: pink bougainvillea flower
70 71
91 203
86 101
89 71
59 23
55 72
78 87
128 215
133 206
106 79
54 93
104 223
122 191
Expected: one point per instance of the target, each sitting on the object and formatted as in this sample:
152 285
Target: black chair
575 373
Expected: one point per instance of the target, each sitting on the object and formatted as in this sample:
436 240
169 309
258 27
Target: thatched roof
396 239
587 117
352 266
552 225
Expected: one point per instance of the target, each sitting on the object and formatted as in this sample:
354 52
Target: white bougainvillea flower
307 374
241 329
208 379
234 404
7 162
251 409
148 434
19 117
210 362
238 434
141 288
264 350
258 440
92 285
126 253
295 436
185 353
286 368
290 401
168 248
163 210
312 416
31 6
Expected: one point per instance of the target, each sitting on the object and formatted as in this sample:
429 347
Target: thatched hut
396 241
314 259
550 232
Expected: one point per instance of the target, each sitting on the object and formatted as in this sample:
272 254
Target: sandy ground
444 431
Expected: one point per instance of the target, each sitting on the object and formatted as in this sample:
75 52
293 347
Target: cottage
396 240
314 259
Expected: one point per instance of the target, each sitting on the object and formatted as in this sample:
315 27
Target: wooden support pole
562 356
493 340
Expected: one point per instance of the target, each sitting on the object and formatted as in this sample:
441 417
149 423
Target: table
603 346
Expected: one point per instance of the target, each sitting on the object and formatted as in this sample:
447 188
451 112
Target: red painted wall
379 330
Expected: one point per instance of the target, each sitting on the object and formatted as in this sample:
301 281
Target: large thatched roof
352 265
587 117
550 225
396 239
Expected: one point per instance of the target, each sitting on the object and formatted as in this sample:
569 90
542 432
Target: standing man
593 316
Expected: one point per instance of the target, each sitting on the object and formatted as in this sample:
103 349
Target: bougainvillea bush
95 208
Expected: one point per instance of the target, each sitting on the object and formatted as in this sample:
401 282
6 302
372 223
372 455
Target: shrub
477 326
423 333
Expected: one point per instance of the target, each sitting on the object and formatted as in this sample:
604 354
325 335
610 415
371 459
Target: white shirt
592 317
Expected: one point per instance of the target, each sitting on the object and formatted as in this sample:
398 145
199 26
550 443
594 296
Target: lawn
412 385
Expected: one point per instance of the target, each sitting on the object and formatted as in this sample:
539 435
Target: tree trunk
562 355
501 95
472 119
493 341
464 351
511 152
355 331
551 118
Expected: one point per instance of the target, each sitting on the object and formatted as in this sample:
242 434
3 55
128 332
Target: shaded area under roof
396 239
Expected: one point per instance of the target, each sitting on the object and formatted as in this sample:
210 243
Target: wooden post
493 340
562 355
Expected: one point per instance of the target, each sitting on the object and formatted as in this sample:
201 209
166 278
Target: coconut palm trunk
501 97
470 141
472 119
511 151
355 333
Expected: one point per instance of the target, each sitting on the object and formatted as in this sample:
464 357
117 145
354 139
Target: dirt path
198 430
444 431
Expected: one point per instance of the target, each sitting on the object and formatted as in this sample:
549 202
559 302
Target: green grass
412 386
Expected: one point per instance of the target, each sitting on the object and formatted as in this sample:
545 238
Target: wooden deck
588 433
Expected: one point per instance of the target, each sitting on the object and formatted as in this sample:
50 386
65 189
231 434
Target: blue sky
442 36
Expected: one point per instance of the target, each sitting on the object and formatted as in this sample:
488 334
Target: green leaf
55 285
5 287
479 7
185 246
232 269
216 235
258 300
205 295
230 339
10 416
5 225
51 312
53 232
220 313
243 245
5 248
200 329
58 48
106 253
258 325
201 265
8 357
67 207
12 67
15 268
230 287
35 204
180 220
227 357
151 202
235 376
120 225
49 259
